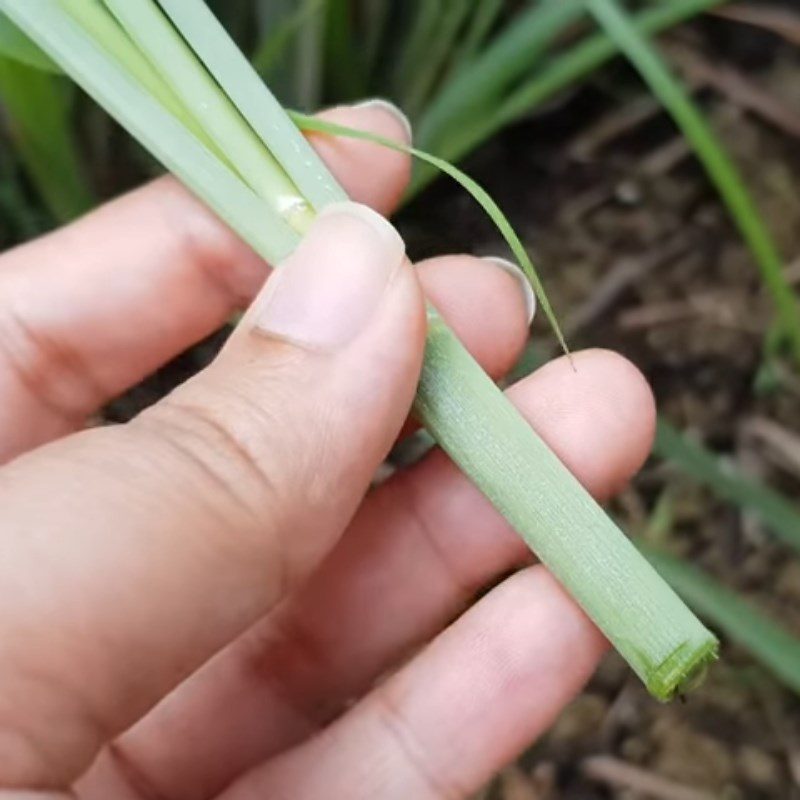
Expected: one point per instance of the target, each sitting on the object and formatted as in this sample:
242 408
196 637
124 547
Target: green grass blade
423 17
126 100
344 62
765 639
15 45
97 21
376 15
563 71
276 43
708 149
421 81
781 516
480 195
481 83
39 125
484 15
232 72
169 54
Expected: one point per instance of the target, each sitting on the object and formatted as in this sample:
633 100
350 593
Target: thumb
132 554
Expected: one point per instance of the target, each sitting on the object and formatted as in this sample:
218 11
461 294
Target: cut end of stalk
684 670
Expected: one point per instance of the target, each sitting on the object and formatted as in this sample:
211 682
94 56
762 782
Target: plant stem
481 431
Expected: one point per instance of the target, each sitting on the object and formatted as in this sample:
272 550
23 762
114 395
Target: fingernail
325 293
390 108
525 285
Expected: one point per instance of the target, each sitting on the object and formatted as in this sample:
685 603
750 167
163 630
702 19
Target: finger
462 709
157 256
421 548
159 542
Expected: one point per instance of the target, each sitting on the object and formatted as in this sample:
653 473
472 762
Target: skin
183 617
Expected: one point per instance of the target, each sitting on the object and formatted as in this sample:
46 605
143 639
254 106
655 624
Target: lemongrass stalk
15 45
664 643
171 57
234 74
166 136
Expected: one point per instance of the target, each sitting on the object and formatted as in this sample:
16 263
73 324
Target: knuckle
48 368
224 456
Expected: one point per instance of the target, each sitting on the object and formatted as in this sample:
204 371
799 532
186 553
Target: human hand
201 603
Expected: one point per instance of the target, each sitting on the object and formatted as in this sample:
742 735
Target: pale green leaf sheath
461 407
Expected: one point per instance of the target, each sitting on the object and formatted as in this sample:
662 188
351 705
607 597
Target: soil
640 256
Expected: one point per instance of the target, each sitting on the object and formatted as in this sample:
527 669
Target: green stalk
471 418
481 431
14 44
214 112
718 165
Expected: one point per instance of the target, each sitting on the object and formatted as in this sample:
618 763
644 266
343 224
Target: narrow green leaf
15 45
170 55
38 119
452 136
234 74
484 15
769 642
474 89
171 142
781 516
420 82
344 62
709 150
275 44
480 195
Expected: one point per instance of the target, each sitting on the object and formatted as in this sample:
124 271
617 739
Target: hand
202 603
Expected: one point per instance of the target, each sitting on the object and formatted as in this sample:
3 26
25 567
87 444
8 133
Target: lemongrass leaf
275 44
15 45
170 55
780 515
234 74
720 168
89 64
38 119
480 84
479 194
452 135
